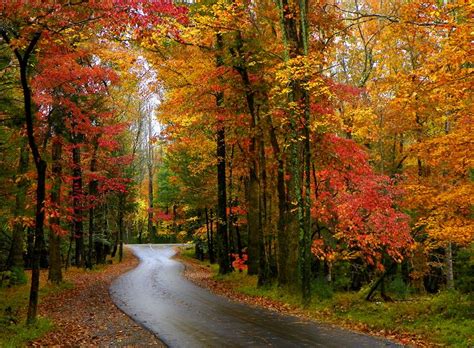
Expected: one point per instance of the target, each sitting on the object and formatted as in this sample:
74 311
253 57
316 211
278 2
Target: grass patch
187 252
13 304
445 319
17 335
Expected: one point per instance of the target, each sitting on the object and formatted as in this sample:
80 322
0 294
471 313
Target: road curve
181 314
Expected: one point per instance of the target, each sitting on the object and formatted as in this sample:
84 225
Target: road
181 314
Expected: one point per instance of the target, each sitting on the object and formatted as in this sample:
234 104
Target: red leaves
239 263
356 204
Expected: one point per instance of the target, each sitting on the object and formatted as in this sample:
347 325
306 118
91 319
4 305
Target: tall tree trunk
305 224
121 210
15 257
222 242
230 219
55 274
291 225
40 165
253 198
92 202
449 267
264 267
211 234
253 217
222 238
77 196
150 163
39 241
282 261
210 247
298 218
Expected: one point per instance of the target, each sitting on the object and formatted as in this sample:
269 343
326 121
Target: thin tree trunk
92 201
230 218
263 270
282 262
55 274
211 231
40 165
253 222
209 240
449 267
222 238
120 224
150 162
77 195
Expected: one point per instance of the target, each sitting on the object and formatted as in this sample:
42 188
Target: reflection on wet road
181 314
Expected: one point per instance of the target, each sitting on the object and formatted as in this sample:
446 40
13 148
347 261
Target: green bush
322 289
464 269
18 276
398 288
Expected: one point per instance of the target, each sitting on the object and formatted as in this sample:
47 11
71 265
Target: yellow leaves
362 121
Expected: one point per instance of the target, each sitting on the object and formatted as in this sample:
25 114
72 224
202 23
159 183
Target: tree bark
222 238
55 274
150 162
282 262
264 267
222 242
449 267
77 195
40 165
253 197
92 201
120 224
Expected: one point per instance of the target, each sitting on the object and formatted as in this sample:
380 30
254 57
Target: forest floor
78 313
429 321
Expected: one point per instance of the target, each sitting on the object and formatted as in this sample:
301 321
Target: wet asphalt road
181 314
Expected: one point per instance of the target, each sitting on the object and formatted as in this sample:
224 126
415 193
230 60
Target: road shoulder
86 315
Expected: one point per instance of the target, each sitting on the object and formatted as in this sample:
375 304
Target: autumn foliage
330 140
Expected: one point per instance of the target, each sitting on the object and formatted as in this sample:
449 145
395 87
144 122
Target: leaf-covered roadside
424 322
86 315
83 314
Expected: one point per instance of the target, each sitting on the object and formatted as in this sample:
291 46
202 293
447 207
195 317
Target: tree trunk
298 218
264 269
253 222
40 165
150 162
380 282
92 202
222 238
210 247
449 267
282 262
55 263
253 197
211 232
77 195
140 232
120 224
39 241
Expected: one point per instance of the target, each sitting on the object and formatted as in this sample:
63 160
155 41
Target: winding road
181 314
